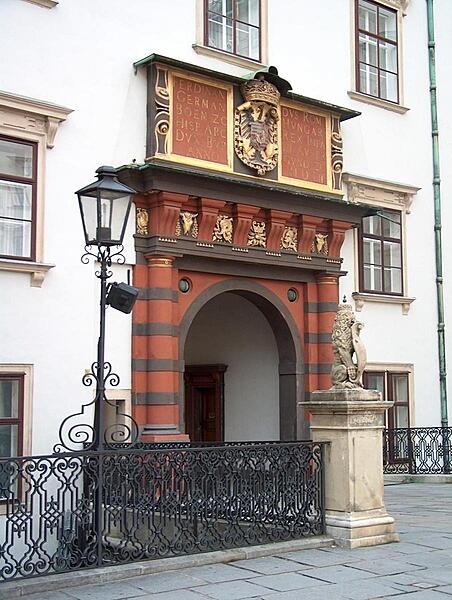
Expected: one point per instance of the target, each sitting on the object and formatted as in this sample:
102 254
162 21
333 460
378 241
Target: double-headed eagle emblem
256 125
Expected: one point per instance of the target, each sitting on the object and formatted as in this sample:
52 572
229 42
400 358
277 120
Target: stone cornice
378 192
50 114
44 3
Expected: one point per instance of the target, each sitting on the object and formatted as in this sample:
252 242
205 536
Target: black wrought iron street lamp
105 207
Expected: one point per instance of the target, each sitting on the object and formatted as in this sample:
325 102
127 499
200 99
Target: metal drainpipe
437 208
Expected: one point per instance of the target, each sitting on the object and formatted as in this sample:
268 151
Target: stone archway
288 341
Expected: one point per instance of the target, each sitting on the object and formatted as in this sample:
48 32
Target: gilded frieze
162 111
320 244
187 224
223 229
142 221
336 154
289 239
256 126
257 235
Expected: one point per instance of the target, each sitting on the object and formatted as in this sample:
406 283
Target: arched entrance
246 336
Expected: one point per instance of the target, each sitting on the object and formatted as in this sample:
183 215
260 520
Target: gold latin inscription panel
303 145
200 120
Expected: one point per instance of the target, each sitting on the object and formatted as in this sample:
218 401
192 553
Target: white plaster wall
232 331
80 55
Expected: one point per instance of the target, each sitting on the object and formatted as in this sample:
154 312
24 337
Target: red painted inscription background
303 145
200 121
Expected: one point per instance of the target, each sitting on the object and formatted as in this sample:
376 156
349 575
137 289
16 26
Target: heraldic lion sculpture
347 373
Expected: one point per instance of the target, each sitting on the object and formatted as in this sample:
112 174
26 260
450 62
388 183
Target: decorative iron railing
418 450
88 509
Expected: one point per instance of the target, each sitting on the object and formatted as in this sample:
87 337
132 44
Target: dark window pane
9 398
16 159
8 440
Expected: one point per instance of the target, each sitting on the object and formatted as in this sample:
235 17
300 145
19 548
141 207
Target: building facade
277 171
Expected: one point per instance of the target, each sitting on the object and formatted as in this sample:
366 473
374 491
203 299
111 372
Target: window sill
37 271
246 63
361 298
398 108
44 3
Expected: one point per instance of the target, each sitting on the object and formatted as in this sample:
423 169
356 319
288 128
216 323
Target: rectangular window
394 388
11 414
234 26
17 198
381 253
377 51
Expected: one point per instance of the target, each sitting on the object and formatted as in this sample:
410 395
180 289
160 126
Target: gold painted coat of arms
256 126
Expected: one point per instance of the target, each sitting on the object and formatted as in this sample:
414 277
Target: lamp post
104 207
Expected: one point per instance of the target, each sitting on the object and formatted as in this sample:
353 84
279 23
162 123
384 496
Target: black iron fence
418 450
88 509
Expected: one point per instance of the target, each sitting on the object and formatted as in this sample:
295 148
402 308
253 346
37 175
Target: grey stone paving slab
270 565
368 589
320 558
439 575
339 573
175 595
285 582
446 589
434 558
117 590
165 582
47 596
218 573
426 595
232 590
388 566
330 592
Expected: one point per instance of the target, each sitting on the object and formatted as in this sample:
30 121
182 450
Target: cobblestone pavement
419 567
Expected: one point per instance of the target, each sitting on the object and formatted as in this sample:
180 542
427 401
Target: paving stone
319 558
328 592
218 573
46 596
339 573
165 582
175 595
270 565
232 590
367 589
117 590
388 566
288 581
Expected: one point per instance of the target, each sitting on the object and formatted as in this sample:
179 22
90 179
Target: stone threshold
47 583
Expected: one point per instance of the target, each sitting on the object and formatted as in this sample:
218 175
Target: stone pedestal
352 422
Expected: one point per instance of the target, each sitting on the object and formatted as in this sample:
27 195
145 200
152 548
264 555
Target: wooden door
204 402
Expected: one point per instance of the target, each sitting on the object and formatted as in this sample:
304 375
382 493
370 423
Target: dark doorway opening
204 402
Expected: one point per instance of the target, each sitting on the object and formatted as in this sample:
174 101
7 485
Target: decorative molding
361 298
257 235
142 221
337 160
187 224
359 97
162 111
289 239
44 3
240 61
320 244
377 192
37 271
21 113
223 229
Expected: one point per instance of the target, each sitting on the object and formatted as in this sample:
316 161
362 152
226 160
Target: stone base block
357 530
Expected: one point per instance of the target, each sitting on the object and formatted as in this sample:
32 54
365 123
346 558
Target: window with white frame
380 253
17 198
234 26
377 50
